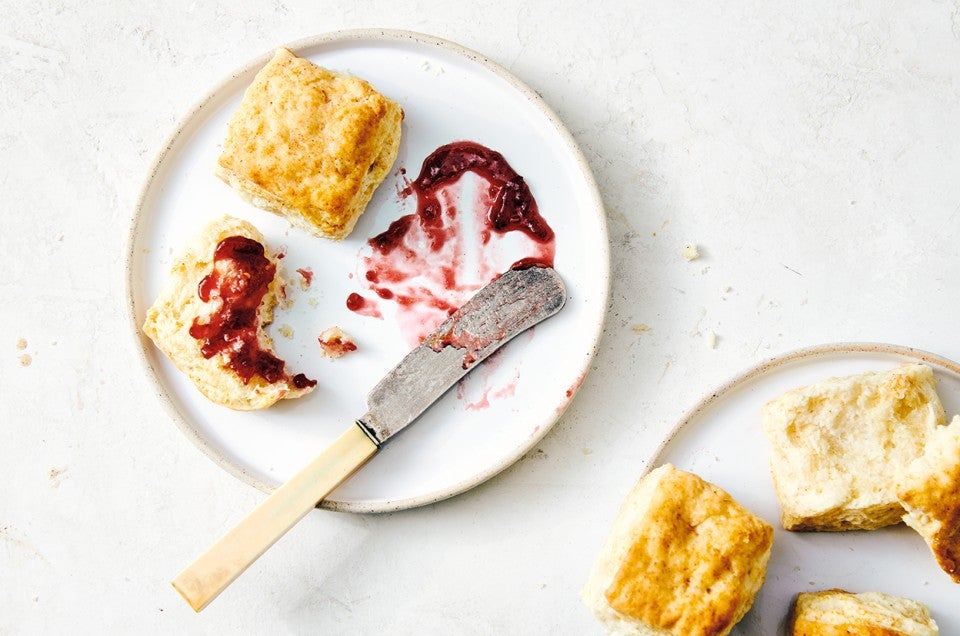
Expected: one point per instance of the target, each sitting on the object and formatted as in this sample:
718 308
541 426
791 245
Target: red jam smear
307 275
431 262
363 306
240 279
511 206
355 302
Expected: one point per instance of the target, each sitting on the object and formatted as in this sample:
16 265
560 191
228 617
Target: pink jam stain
432 261
571 392
485 386
307 275
403 183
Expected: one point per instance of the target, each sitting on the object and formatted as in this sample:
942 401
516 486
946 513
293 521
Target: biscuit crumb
285 298
312 301
691 252
286 331
641 327
21 344
335 343
56 476
25 360
58 237
306 277
711 339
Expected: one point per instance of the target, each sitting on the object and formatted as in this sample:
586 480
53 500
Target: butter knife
514 302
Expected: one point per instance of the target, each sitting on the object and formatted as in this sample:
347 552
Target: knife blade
514 302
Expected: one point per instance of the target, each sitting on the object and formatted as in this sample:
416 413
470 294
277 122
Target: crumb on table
711 339
691 252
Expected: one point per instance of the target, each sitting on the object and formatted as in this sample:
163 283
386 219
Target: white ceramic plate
448 93
722 441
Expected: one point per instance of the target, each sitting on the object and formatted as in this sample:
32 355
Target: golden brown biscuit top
686 566
305 134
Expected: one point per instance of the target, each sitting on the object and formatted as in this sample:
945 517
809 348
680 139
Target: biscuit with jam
209 318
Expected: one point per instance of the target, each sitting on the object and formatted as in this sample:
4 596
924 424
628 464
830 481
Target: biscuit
682 559
179 307
840 613
310 144
837 443
929 490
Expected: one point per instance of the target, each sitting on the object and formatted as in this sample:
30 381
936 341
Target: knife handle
217 568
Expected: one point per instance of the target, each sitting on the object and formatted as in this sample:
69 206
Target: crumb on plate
335 342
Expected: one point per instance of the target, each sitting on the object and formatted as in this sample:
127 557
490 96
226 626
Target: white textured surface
812 152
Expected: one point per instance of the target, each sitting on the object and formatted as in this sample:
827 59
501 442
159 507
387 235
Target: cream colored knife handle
216 568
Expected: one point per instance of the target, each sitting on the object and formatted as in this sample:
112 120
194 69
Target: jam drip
240 279
474 217
511 204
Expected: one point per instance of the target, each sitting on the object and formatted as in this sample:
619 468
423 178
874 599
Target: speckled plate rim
783 360
142 344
